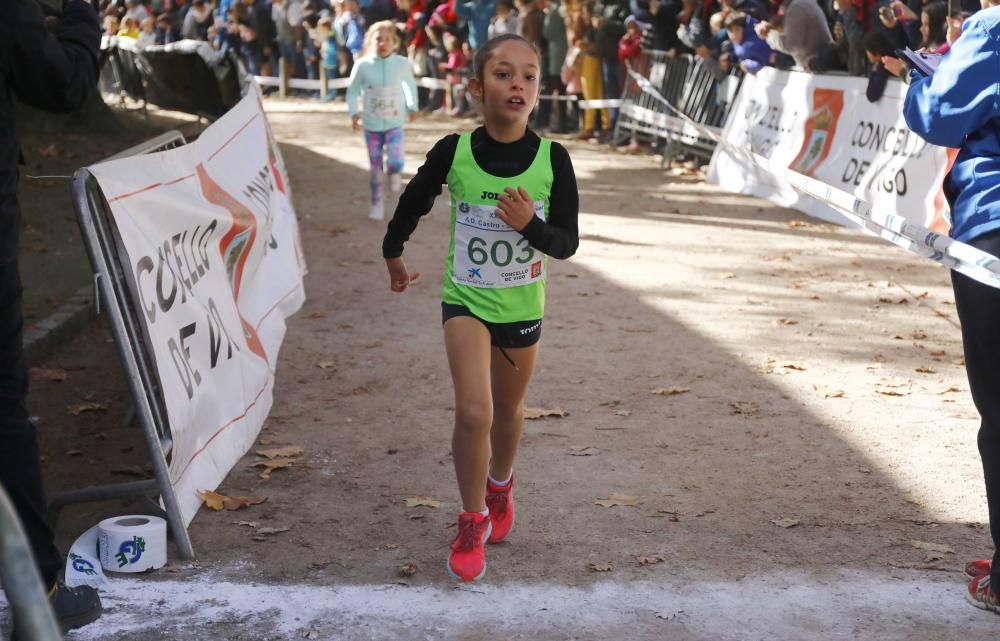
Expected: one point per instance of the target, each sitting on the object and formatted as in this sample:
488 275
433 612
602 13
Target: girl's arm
559 237
409 87
418 197
354 92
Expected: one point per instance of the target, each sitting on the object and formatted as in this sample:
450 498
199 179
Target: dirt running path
820 431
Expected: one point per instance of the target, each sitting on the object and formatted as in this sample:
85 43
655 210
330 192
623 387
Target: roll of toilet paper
132 543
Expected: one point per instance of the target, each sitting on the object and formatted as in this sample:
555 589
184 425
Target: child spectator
111 25
878 47
129 28
752 52
505 21
453 68
166 32
328 52
630 45
147 37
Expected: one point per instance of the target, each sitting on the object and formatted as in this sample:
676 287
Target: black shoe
75 607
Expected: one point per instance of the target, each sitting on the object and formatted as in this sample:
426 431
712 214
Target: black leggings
978 308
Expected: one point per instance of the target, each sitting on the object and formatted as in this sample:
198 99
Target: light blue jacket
374 72
959 106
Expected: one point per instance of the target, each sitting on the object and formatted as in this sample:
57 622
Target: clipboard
925 63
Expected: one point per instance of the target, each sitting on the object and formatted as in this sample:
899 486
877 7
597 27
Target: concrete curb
60 326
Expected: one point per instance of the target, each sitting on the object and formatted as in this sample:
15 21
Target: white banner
213 249
824 127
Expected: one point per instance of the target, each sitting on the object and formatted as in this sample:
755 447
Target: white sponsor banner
824 127
213 249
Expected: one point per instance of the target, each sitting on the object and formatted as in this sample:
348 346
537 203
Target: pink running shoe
981 594
467 560
977 568
500 501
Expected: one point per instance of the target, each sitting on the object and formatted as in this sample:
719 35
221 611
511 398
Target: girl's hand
399 278
356 122
515 207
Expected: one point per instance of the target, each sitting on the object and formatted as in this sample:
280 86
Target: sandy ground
820 437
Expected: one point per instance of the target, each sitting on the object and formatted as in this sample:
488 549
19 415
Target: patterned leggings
392 142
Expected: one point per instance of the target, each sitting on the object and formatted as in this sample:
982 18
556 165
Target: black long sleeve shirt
558 237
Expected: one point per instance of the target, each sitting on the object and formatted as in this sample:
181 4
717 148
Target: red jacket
629 46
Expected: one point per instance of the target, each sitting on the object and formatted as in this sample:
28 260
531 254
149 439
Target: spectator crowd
585 44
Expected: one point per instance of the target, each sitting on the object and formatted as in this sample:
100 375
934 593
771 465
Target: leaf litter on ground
218 502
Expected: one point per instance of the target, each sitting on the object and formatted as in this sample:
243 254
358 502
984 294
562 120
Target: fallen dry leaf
932 547
623 500
407 569
39 374
925 370
272 530
651 559
797 223
273 464
251 524
532 413
949 389
281 452
89 406
326 364
670 391
787 321
786 522
623 413
794 367
939 352
422 501
218 501
919 334
74 453
600 567
584 450
746 408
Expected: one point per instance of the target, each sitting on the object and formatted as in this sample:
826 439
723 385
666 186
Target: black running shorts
503 335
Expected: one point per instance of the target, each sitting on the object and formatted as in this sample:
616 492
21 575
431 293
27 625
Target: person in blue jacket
386 81
478 14
959 106
753 53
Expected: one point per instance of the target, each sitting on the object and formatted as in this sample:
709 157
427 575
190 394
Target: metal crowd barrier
693 88
180 76
21 581
121 71
117 292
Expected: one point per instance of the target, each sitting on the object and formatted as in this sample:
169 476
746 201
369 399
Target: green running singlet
491 269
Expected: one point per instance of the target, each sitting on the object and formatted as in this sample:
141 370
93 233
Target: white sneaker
394 182
377 212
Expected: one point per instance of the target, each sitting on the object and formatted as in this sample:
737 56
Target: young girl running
390 93
513 201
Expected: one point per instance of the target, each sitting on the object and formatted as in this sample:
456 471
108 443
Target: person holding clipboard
957 104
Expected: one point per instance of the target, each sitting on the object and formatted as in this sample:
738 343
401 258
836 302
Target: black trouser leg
20 467
979 311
